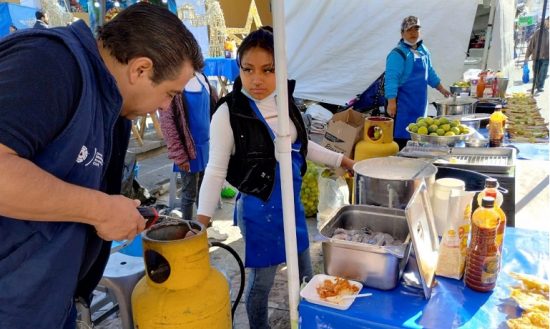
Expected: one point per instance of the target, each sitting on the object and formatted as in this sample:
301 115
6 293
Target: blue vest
41 263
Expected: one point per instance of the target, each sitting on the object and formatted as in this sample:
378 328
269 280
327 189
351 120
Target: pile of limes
440 126
309 193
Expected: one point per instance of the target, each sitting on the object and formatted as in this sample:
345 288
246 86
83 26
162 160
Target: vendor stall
452 305
225 70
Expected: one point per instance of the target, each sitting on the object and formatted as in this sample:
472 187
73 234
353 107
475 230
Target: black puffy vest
252 168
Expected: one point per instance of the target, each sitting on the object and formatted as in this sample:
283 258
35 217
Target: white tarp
336 49
501 51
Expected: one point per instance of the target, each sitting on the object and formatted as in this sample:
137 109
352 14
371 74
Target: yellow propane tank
377 139
180 289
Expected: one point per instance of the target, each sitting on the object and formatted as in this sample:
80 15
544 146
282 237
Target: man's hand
120 219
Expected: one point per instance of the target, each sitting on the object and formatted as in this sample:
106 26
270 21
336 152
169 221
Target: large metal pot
390 181
455 106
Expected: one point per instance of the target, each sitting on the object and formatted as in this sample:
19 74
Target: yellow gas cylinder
180 288
377 139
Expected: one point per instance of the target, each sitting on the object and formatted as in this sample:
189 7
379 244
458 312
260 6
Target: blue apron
263 221
412 98
198 110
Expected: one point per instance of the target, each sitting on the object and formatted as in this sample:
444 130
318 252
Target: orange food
340 286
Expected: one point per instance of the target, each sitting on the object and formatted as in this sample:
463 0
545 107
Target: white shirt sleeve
222 145
319 154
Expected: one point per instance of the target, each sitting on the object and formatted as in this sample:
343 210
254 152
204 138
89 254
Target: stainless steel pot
390 181
455 106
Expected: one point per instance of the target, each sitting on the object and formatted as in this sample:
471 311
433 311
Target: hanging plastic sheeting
12 14
336 49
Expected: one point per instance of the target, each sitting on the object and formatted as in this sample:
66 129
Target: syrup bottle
483 261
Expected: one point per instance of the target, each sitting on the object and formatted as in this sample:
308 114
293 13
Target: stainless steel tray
487 160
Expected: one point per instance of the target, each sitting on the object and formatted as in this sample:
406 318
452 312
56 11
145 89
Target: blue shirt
399 70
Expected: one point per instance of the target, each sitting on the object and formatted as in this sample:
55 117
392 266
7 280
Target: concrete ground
532 204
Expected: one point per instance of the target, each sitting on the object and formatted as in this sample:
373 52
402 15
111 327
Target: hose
241 268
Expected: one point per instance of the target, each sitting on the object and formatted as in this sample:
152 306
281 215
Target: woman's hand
443 91
392 107
347 164
184 167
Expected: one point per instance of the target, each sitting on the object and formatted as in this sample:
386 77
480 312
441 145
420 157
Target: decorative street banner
20 16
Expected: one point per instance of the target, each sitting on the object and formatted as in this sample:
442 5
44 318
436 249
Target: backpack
373 97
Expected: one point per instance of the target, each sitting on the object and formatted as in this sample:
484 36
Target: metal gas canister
181 289
377 139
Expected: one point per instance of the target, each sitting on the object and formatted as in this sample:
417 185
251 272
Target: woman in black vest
242 151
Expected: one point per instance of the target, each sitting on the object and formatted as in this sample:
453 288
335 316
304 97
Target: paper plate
310 294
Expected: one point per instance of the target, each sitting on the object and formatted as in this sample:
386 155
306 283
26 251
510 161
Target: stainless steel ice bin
374 266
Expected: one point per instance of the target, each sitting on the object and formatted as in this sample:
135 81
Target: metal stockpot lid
456 101
394 168
424 237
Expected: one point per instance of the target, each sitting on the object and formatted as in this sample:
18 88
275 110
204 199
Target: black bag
373 97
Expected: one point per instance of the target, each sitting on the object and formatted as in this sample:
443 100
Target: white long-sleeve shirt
222 146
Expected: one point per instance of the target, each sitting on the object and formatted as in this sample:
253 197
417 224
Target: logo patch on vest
82 155
95 160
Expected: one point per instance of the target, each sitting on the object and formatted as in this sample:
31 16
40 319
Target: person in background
540 65
409 72
62 151
242 150
186 129
41 20
13 28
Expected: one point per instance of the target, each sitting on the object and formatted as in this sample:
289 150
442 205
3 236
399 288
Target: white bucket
440 200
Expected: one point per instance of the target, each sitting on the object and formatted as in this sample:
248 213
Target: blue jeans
541 70
191 183
260 281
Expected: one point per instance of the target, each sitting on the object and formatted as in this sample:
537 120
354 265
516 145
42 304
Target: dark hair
148 30
39 14
13 27
261 38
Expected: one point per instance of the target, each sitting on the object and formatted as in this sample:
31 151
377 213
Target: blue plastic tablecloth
221 67
452 305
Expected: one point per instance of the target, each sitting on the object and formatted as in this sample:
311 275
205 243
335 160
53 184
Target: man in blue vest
65 104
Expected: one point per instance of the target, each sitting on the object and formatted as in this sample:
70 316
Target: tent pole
539 41
283 154
489 34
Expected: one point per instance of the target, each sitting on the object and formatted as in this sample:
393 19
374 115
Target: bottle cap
491 183
488 202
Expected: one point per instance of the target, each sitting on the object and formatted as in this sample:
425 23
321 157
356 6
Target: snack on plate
338 287
532 297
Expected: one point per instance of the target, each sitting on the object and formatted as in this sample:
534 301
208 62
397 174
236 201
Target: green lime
455 123
455 130
445 127
449 133
443 120
422 123
429 121
432 128
436 122
419 118
434 134
422 130
440 132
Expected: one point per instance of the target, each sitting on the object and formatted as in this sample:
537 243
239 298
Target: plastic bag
309 193
333 194
454 244
525 77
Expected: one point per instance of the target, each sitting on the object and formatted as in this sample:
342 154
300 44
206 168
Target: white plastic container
440 200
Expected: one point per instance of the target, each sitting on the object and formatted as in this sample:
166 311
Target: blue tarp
20 16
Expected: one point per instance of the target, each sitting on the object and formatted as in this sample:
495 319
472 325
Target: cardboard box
344 130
